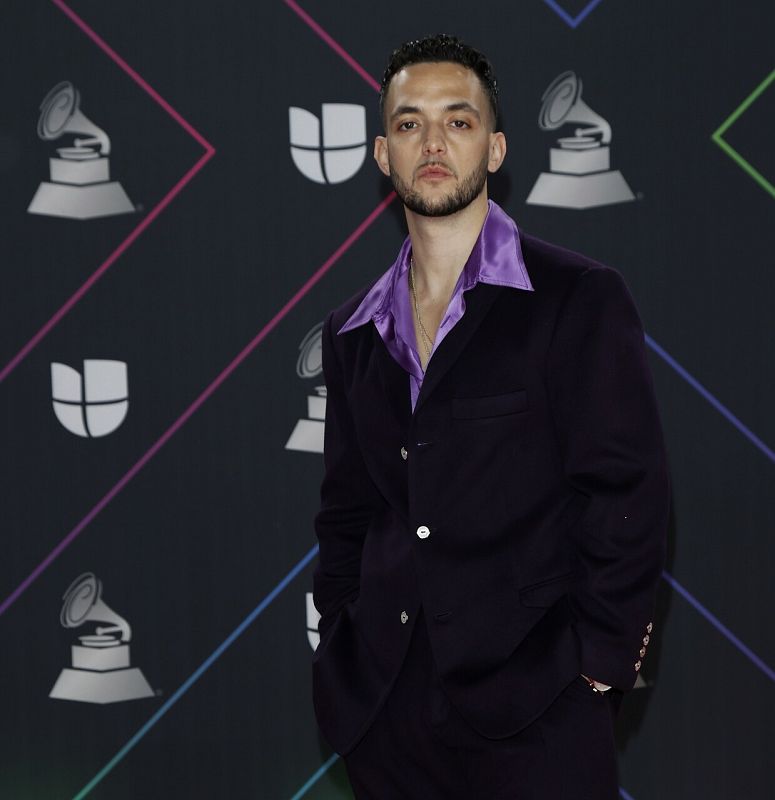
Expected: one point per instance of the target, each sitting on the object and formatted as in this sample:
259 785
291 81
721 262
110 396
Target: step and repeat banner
186 190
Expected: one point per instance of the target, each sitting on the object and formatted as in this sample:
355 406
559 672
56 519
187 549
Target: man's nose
434 141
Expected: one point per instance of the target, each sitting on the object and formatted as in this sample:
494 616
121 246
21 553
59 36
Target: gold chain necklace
427 341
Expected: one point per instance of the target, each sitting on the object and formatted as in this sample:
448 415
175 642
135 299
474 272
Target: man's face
438 146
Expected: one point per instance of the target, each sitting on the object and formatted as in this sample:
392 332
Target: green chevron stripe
745 165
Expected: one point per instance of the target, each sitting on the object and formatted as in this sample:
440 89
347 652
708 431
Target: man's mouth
434 172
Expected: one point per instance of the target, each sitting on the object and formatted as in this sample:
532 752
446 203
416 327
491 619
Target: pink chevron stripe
145 222
138 79
332 43
97 274
185 416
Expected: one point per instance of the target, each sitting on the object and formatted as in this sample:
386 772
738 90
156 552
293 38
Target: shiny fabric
496 259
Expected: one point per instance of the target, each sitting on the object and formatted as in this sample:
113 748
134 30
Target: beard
466 192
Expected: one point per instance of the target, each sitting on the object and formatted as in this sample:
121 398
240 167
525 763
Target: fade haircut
441 47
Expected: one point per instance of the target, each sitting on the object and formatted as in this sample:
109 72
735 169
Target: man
494 507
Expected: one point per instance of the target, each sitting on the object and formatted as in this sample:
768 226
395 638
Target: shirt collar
496 258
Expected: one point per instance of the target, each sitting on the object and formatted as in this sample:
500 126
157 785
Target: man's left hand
601 687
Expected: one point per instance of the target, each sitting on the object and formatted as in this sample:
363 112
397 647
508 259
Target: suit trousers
419 748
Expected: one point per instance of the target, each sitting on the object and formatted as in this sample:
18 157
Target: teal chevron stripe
315 777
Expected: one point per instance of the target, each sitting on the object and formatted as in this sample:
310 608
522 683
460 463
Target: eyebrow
463 105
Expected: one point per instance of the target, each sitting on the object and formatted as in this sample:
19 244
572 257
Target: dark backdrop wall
161 396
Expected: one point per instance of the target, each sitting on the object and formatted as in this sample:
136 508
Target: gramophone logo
313 618
308 433
580 175
337 154
94 404
100 671
80 185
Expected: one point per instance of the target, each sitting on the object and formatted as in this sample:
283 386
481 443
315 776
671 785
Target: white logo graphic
80 186
100 671
339 153
313 618
308 433
94 405
580 175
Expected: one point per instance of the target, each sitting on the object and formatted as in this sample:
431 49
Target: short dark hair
441 47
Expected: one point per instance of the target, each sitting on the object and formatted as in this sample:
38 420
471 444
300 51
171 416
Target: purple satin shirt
496 258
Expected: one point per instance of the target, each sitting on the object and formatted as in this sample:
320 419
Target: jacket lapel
394 379
479 300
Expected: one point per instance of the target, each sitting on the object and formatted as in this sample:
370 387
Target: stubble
466 192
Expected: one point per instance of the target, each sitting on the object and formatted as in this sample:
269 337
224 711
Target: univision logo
94 404
335 153
313 618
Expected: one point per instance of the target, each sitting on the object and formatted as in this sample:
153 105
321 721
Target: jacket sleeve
348 498
605 415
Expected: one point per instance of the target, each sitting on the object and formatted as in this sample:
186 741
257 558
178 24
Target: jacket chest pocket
494 405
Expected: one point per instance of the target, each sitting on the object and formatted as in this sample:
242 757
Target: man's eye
402 127
460 123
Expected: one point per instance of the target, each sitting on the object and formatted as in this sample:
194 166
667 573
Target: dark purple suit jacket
535 459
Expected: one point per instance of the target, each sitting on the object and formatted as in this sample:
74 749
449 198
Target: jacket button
637 666
649 627
404 453
423 531
642 652
646 639
404 617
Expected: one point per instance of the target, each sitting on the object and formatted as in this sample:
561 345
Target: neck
441 246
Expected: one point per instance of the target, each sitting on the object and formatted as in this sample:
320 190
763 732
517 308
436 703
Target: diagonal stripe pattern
186 415
720 627
197 674
718 136
569 19
146 221
573 22
715 402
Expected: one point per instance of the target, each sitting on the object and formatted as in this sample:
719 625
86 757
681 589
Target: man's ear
381 154
497 151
